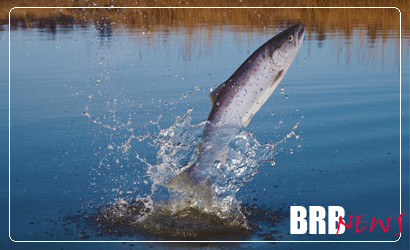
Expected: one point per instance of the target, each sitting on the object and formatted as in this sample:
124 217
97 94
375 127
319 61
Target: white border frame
211 241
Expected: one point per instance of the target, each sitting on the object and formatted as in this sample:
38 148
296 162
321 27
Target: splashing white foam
176 149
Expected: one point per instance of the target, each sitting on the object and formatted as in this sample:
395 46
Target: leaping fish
234 103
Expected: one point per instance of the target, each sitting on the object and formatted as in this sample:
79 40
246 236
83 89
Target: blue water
77 96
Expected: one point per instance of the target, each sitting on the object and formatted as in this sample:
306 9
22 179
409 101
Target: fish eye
290 38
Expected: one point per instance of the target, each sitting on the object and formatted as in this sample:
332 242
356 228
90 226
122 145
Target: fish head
284 46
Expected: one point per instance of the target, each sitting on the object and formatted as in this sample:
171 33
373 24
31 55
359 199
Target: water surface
89 100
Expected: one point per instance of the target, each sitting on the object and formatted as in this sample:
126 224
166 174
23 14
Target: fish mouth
300 33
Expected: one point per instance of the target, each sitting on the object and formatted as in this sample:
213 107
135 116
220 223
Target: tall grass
377 22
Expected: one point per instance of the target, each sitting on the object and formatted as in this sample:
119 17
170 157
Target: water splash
176 150
167 212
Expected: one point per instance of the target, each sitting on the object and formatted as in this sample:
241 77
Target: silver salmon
234 103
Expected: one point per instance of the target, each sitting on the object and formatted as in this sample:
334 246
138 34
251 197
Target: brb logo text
335 222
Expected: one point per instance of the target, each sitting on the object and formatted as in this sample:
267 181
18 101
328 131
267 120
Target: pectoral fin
277 79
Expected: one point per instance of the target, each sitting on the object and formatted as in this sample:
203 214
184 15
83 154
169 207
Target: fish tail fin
194 190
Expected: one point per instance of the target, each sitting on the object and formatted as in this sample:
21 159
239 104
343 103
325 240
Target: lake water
87 101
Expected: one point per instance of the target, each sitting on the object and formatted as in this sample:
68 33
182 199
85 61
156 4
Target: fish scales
234 103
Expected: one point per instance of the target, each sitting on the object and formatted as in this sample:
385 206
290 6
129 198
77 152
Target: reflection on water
374 26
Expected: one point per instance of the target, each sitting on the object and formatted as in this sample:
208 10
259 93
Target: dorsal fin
215 93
